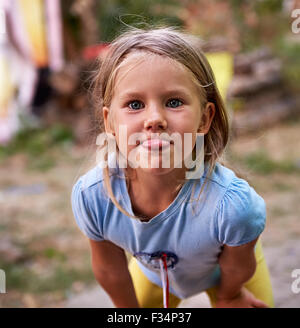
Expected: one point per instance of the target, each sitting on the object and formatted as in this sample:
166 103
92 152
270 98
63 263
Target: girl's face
155 95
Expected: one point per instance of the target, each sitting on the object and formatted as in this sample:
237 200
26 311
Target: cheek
124 129
132 123
186 123
188 126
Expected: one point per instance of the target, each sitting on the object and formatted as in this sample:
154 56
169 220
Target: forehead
144 70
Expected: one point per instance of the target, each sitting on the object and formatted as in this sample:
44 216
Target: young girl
185 235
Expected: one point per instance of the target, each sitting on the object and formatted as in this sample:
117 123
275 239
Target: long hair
185 49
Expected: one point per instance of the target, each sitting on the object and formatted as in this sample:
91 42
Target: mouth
156 144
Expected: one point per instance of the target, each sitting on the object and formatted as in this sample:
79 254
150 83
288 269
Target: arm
238 265
110 268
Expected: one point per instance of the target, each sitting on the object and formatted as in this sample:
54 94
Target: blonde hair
184 49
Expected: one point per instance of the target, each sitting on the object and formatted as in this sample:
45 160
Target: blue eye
174 102
135 104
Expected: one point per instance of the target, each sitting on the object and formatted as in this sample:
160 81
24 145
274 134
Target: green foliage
282 186
260 162
115 15
269 24
61 278
267 7
71 21
3 227
60 134
37 144
289 53
53 253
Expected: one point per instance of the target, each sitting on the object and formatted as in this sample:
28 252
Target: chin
157 171
162 163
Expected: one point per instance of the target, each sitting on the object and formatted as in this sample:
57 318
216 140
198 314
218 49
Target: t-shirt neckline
180 197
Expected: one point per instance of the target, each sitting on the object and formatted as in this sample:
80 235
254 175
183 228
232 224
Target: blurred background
47 129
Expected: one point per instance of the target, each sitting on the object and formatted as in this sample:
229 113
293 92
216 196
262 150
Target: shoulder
85 213
90 178
89 189
221 176
94 179
88 192
240 214
89 203
234 190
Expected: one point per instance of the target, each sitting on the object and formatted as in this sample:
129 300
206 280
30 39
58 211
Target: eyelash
132 101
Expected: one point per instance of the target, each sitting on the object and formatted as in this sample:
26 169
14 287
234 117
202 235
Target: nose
155 120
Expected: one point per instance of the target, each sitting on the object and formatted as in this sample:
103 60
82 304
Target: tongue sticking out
155 144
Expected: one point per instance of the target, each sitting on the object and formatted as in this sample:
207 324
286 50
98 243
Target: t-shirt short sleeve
241 214
84 216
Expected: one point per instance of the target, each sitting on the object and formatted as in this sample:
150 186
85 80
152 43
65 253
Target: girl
186 235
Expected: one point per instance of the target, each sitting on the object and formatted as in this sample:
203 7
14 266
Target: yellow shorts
150 295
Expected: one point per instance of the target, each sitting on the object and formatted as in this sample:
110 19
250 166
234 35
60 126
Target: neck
166 181
151 194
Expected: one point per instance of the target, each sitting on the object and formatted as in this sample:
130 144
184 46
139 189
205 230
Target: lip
155 144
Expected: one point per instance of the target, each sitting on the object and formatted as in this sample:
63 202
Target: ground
46 258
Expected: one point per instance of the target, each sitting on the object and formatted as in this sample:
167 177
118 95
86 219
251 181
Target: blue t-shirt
191 233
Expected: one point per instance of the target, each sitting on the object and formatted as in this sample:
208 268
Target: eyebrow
133 94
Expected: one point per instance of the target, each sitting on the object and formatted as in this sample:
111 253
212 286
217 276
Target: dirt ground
46 258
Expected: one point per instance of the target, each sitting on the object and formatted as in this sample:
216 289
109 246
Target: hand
244 299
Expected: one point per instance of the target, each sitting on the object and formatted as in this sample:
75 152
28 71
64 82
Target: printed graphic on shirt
151 260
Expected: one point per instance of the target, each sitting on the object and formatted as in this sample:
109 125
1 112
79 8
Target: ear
107 120
207 117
